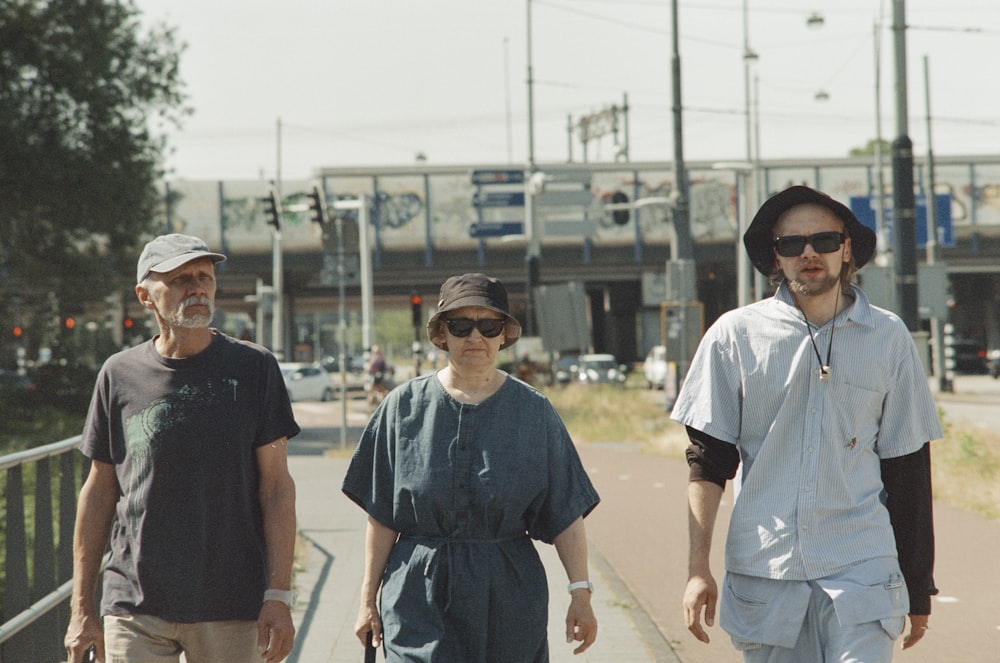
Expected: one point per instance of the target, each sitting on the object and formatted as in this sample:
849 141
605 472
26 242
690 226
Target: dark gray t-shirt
187 544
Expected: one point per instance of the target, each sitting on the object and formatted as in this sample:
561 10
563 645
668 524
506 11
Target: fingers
918 629
581 625
586 634
369 626
275 632
698 597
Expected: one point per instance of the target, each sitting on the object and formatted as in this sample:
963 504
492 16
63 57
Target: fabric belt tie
437 542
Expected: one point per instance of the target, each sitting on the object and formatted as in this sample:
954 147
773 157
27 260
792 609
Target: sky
385 82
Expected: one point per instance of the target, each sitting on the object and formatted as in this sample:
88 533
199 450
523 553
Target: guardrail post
15 598
45 632
67 521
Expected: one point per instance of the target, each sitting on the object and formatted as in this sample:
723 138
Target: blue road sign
864 208
498 199
496 229
498 177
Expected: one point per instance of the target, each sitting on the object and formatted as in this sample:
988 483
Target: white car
307 382
655 367
600 369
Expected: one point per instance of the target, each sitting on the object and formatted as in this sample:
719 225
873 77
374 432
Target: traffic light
272 210
128 323
416 308
317 206
69 322
18 331
620 216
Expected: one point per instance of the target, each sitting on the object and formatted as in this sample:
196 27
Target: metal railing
35 607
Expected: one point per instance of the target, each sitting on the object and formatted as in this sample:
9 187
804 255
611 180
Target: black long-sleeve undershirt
907 481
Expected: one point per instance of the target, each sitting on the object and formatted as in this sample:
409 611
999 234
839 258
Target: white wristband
285 596
583 584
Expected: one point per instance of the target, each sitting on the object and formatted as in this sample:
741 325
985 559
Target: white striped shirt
811 502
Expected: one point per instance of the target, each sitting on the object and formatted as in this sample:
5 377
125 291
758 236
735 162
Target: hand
368 622
581 624
918 629
701 593
83 632
275 631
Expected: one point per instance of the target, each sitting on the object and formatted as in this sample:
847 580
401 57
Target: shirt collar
860 311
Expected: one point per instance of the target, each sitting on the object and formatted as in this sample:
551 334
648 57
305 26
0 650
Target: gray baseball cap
168 252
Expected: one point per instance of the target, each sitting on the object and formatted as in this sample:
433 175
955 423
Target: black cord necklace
824 368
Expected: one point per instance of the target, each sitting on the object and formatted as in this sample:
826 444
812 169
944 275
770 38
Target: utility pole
277 269
532 260
681 271
904 212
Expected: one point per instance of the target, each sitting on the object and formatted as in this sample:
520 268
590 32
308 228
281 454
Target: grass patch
966 468
965 464
609 413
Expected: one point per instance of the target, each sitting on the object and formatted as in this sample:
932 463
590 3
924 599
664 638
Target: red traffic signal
416 305
128 323
69 322
18 331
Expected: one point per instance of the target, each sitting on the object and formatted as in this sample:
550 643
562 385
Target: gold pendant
823 373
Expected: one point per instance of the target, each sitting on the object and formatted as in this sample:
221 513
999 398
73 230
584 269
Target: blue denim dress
467 487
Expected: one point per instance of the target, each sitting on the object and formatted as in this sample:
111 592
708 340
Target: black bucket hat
474 289
759 237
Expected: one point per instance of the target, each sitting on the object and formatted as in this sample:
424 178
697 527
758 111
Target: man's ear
142 293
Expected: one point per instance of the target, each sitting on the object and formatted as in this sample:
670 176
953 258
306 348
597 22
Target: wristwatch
285 596
583 584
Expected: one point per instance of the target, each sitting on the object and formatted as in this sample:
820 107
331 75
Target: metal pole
685 249
904 206
882 244
506 87
277 269
532 260
531 99
569 139
367 288
628 140
684 270
341 322
748 57
933 248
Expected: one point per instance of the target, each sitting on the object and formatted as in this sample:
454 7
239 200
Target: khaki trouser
148 639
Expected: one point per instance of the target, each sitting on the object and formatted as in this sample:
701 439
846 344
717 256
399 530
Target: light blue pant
823 639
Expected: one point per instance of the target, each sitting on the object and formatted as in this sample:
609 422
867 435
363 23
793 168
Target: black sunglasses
790 246
462 327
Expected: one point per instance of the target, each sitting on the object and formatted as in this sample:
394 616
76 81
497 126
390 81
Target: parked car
307 382
566 368
969 356
601 369
655 367
994 363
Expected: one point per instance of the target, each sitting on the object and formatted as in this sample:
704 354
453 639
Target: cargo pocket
761 611
885 602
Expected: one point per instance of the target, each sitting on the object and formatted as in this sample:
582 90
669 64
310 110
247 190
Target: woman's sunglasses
462 327
790 246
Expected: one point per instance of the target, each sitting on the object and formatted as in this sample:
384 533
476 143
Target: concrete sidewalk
329 572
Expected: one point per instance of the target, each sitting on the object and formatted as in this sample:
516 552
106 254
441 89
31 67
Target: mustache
197 300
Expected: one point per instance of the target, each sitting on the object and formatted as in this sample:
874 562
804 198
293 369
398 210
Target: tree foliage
869 148
86 94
